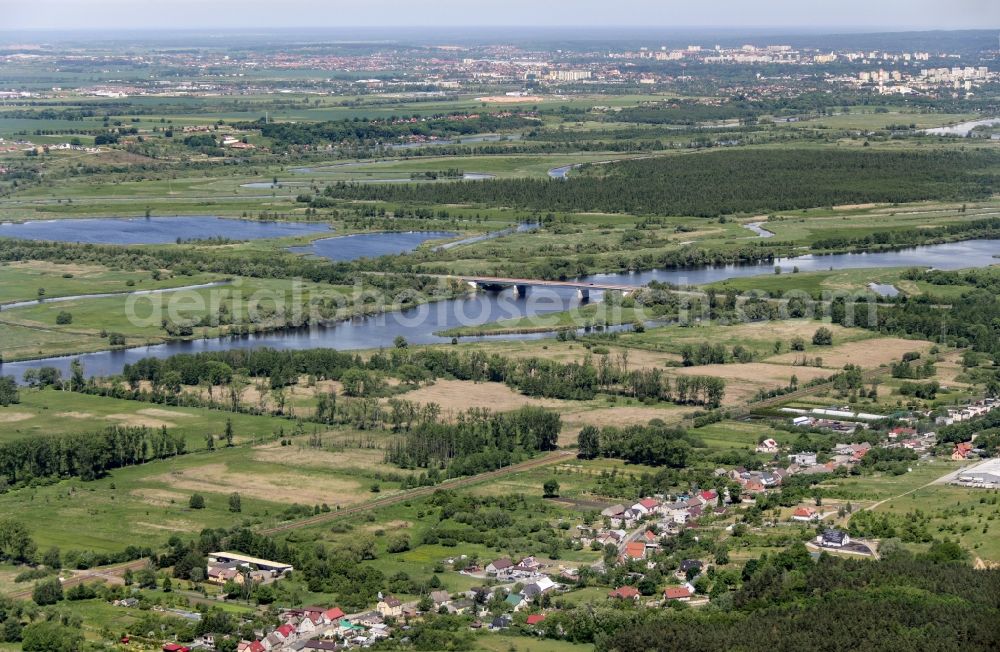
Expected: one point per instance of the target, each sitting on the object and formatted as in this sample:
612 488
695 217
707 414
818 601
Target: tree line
88 455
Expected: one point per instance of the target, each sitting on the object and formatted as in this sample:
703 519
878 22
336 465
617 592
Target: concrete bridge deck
522 284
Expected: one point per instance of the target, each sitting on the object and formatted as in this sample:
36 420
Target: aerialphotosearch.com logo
251 305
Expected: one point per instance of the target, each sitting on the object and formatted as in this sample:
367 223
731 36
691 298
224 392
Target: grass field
48 412
152 499
20 281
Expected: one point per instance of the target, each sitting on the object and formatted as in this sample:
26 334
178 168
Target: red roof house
804 514
681 593
624 593
534 619
635 550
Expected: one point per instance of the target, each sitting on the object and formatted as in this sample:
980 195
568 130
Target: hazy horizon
847 15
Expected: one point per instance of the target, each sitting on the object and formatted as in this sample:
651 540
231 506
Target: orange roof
624 592
804 511
635 549
676 592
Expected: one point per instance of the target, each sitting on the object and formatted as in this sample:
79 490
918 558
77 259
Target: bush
398 543
197 501
47 592
823 336
50 636
64 318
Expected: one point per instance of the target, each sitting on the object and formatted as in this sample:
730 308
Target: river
962 129
419 324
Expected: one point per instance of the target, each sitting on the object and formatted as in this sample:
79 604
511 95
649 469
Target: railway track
419 492
867 376
105 573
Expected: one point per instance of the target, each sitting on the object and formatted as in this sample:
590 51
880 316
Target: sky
854 15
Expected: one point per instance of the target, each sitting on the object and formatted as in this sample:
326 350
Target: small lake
525 227
369 245
884 289
961 129
154 230
759 230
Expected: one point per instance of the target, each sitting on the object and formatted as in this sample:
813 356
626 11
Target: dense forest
756 180
788 602
369 131
654 444
88 455
479 440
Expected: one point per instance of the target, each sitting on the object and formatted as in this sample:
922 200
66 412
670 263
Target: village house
768 447
317 644
500 568
440 598
534 619
645 506
528 565
677 512
515 601
624 593
803 459
805 514
679 593
962 450
538 587
689 565
389 607
634 550
501 622
833 538
369 619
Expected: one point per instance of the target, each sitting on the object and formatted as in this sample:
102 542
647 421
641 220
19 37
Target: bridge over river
521 285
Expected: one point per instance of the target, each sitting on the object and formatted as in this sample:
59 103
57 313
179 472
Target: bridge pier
521 290
584 294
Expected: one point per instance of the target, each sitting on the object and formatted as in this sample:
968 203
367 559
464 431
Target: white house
833 538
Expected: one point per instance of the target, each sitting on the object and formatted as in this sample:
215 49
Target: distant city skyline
855 15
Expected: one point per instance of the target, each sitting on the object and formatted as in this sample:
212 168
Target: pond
884 289
154 230
369 245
